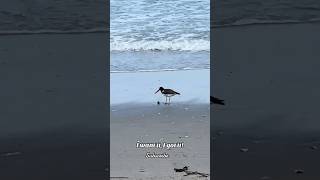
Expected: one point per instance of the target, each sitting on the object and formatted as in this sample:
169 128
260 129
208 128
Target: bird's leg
166 100
169 100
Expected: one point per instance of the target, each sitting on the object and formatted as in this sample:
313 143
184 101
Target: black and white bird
215 100
168 93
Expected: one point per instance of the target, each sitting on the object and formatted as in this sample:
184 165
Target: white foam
174 45
160 70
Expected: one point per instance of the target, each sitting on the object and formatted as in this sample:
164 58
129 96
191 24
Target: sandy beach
136 117
186 123
53 108
268 75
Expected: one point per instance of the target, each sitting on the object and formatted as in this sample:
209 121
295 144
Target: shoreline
141 87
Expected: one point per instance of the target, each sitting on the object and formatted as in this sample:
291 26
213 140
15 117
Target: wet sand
147 123
140 87
137 116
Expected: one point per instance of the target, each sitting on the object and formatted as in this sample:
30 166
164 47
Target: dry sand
269 76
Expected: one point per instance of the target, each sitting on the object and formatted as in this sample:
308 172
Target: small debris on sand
181 170
196 173
51 90
183 137
11 154
185 169
314 147
265 178
219 133
183 155
298 171
4 63
158 103
256 141
244 149
120 177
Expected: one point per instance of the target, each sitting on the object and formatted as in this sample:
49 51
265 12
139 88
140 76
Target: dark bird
168 93
215 100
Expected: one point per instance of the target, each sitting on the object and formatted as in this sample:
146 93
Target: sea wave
53 31
246 22
180 45
187 45
162 45
161 70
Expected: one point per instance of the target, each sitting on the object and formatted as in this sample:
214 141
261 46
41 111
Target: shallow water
149 61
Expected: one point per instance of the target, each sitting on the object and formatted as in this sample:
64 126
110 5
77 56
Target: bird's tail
216 100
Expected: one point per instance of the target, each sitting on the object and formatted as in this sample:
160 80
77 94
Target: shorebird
168 93
215 100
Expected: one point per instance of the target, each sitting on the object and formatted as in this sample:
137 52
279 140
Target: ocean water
160 25
152 18
153 35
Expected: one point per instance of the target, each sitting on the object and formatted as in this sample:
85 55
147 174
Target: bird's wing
170 91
